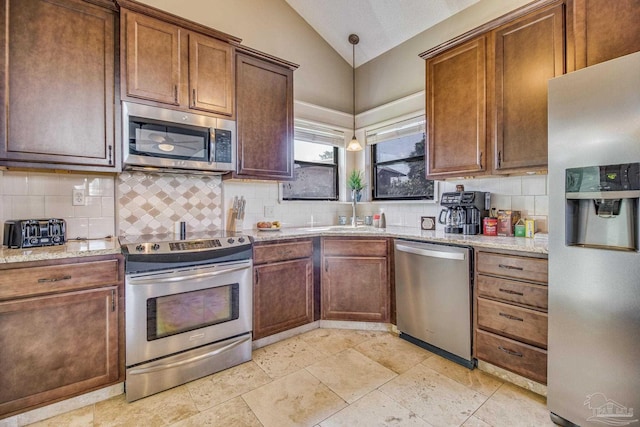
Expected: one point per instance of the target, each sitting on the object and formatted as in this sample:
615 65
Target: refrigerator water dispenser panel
602 206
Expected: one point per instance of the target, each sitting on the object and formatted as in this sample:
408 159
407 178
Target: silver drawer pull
510 317
509 291
510 267
53 279
510 352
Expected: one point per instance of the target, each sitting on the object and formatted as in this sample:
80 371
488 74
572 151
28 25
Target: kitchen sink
344 228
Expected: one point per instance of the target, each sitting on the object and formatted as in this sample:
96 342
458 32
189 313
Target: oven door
175 310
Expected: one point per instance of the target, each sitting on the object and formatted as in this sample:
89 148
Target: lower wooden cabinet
511 313
355 279
62 341
282 287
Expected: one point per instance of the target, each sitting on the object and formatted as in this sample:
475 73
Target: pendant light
354 145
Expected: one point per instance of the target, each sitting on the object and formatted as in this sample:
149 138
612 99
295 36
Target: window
397 161
315 163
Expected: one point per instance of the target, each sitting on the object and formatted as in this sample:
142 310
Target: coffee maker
465 210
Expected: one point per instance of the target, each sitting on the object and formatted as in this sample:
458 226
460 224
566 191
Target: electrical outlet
78 197
269 211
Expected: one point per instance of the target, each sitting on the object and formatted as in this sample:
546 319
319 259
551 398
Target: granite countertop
71 249
539 244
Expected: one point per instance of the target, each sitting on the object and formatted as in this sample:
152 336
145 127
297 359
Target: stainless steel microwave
167 140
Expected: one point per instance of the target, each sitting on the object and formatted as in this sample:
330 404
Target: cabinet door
604 29
54 346
528 53
211 75
264 99
456 119
57 83
152 59
282 296
355 288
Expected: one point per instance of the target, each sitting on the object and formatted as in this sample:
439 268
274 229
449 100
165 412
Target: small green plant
354 182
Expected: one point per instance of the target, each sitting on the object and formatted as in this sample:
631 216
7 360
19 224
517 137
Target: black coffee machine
465 210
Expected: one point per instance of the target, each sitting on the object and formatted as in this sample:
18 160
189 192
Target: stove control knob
139 248
33 240
155 246
230 240
241 240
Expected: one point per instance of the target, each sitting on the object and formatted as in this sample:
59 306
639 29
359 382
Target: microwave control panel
222 153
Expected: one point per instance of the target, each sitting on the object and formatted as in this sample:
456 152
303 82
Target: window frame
371 133
335 166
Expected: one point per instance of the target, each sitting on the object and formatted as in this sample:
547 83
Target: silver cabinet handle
509 291
510 352
431 253
510 317
510 267
53 279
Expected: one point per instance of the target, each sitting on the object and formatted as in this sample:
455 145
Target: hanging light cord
354 40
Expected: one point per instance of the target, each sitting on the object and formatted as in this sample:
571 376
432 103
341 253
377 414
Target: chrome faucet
354 222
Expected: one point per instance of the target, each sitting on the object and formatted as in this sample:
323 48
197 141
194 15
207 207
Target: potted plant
355 183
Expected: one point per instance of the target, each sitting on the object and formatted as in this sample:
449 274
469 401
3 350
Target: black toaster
30 233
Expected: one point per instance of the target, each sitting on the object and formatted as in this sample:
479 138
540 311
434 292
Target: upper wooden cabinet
456 118
57 79
264 95
603 30
528 52
170 64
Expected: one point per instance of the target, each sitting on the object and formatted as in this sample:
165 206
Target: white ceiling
380 24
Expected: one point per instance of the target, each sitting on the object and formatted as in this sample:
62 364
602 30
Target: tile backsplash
136 203
35 195
153 203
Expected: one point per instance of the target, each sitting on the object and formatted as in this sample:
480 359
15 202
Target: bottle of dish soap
383 220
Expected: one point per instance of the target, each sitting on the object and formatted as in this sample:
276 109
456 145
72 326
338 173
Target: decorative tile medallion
152 203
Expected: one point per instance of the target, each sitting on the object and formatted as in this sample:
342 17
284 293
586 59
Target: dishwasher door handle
431 253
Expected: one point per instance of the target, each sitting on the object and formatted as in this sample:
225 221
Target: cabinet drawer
517 357
511 291
518 323
534 269
282 251
28 281
354 247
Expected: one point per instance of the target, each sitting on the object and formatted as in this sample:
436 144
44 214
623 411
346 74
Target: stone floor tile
393 352
374 409
286 357
82 417
332 341
434 397
475 422
222 386
350 374
161 409
298 399
474 379
513 406
232 413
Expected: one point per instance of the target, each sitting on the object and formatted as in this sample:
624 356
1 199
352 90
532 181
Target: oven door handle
212 353
155 280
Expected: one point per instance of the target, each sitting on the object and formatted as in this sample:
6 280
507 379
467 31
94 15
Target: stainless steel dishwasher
433 298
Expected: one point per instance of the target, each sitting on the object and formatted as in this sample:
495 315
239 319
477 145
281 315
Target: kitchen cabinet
511 312
355 279
61 330
603 30
283 286
264 96
456 111
168 64
527 53
57 83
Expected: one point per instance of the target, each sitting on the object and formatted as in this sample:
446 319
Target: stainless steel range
188 308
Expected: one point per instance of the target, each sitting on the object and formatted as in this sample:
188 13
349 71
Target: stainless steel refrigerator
594 263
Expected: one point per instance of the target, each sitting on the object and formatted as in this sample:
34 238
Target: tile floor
329 378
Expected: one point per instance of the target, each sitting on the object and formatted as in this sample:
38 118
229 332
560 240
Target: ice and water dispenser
602 206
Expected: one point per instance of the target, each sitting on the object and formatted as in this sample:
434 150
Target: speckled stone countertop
536 245
72 249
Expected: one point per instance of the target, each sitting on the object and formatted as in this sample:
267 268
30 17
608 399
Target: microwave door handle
212 145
